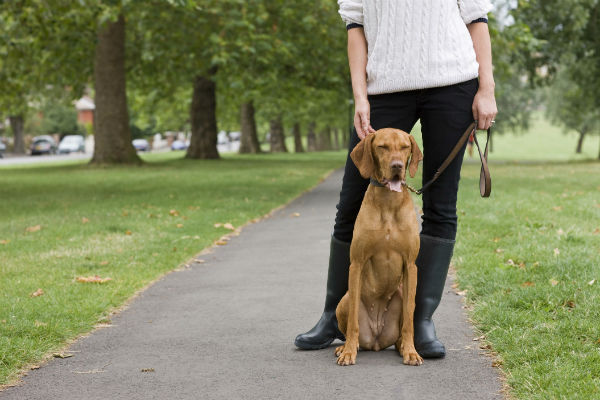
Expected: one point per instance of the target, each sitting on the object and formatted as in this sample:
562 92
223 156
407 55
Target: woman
427 60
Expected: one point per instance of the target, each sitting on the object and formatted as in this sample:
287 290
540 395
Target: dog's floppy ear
415 156
362 155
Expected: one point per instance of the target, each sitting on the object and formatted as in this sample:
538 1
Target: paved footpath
224 329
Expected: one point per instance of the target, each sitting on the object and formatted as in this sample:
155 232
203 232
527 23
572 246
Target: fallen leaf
200 261
84 220
128 232
596 231
221 242
39 323
496 363
591 282
498 251
62 355
522 265
103 262
34 228
125 213
229 226
6 241
496 239
218 225
528 284
510 262
485 346
296 214
147 369
479 338
179 225
462 292
174 213
37 293
553 282
34 367
155 254
570 304
556 251
560 232
93 279
557 208
454 285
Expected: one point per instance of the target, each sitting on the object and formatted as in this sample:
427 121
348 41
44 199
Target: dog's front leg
409 289
347 353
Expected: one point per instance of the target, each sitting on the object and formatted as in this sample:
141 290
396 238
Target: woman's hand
362 118
484 108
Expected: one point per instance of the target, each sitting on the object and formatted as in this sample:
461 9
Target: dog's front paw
411 357
346 354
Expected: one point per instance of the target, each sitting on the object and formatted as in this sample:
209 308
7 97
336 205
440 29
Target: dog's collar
375 182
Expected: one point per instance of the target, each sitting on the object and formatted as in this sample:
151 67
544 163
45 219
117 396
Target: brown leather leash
485 181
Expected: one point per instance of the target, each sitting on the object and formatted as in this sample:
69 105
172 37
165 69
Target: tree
569 107
112 133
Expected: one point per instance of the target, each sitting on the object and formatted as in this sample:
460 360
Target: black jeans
445 113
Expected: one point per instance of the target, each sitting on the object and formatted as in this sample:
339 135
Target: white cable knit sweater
416 44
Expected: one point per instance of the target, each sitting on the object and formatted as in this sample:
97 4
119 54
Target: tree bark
16 124
311 138
298 147
336 139
203 114
249 139
277 137
579 147
112 138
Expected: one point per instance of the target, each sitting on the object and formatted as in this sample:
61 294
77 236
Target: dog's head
385 155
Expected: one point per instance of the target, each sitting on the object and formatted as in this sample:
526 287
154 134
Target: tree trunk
336 139
277 137
311 138
112 138
203 114
298 148
324 140
248 123
580 141
16 124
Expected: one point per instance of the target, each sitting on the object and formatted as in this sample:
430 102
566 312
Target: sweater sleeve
471 10
351 11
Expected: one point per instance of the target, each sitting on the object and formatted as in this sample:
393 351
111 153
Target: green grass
131 235
538 307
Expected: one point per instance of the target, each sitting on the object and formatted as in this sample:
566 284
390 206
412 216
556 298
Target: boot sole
308 346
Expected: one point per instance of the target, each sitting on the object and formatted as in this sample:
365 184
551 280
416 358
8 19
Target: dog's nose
397 165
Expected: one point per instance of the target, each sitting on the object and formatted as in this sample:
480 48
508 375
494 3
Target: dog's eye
383 147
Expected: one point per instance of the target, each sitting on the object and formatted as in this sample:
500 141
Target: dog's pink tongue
395 185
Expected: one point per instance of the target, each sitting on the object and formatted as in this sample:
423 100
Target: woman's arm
357 56
484 104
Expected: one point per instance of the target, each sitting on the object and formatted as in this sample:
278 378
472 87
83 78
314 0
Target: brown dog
377 311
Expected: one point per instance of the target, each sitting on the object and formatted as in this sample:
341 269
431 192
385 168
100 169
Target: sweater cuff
353 25
484 20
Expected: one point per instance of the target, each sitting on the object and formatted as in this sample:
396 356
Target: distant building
85 110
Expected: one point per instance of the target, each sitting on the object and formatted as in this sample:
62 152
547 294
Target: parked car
44 144
71 144
178 145
141 145
2 149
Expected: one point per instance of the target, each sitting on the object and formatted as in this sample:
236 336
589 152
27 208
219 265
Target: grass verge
529 258
132 224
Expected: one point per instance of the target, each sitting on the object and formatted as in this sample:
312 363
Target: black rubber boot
432 266
326 330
